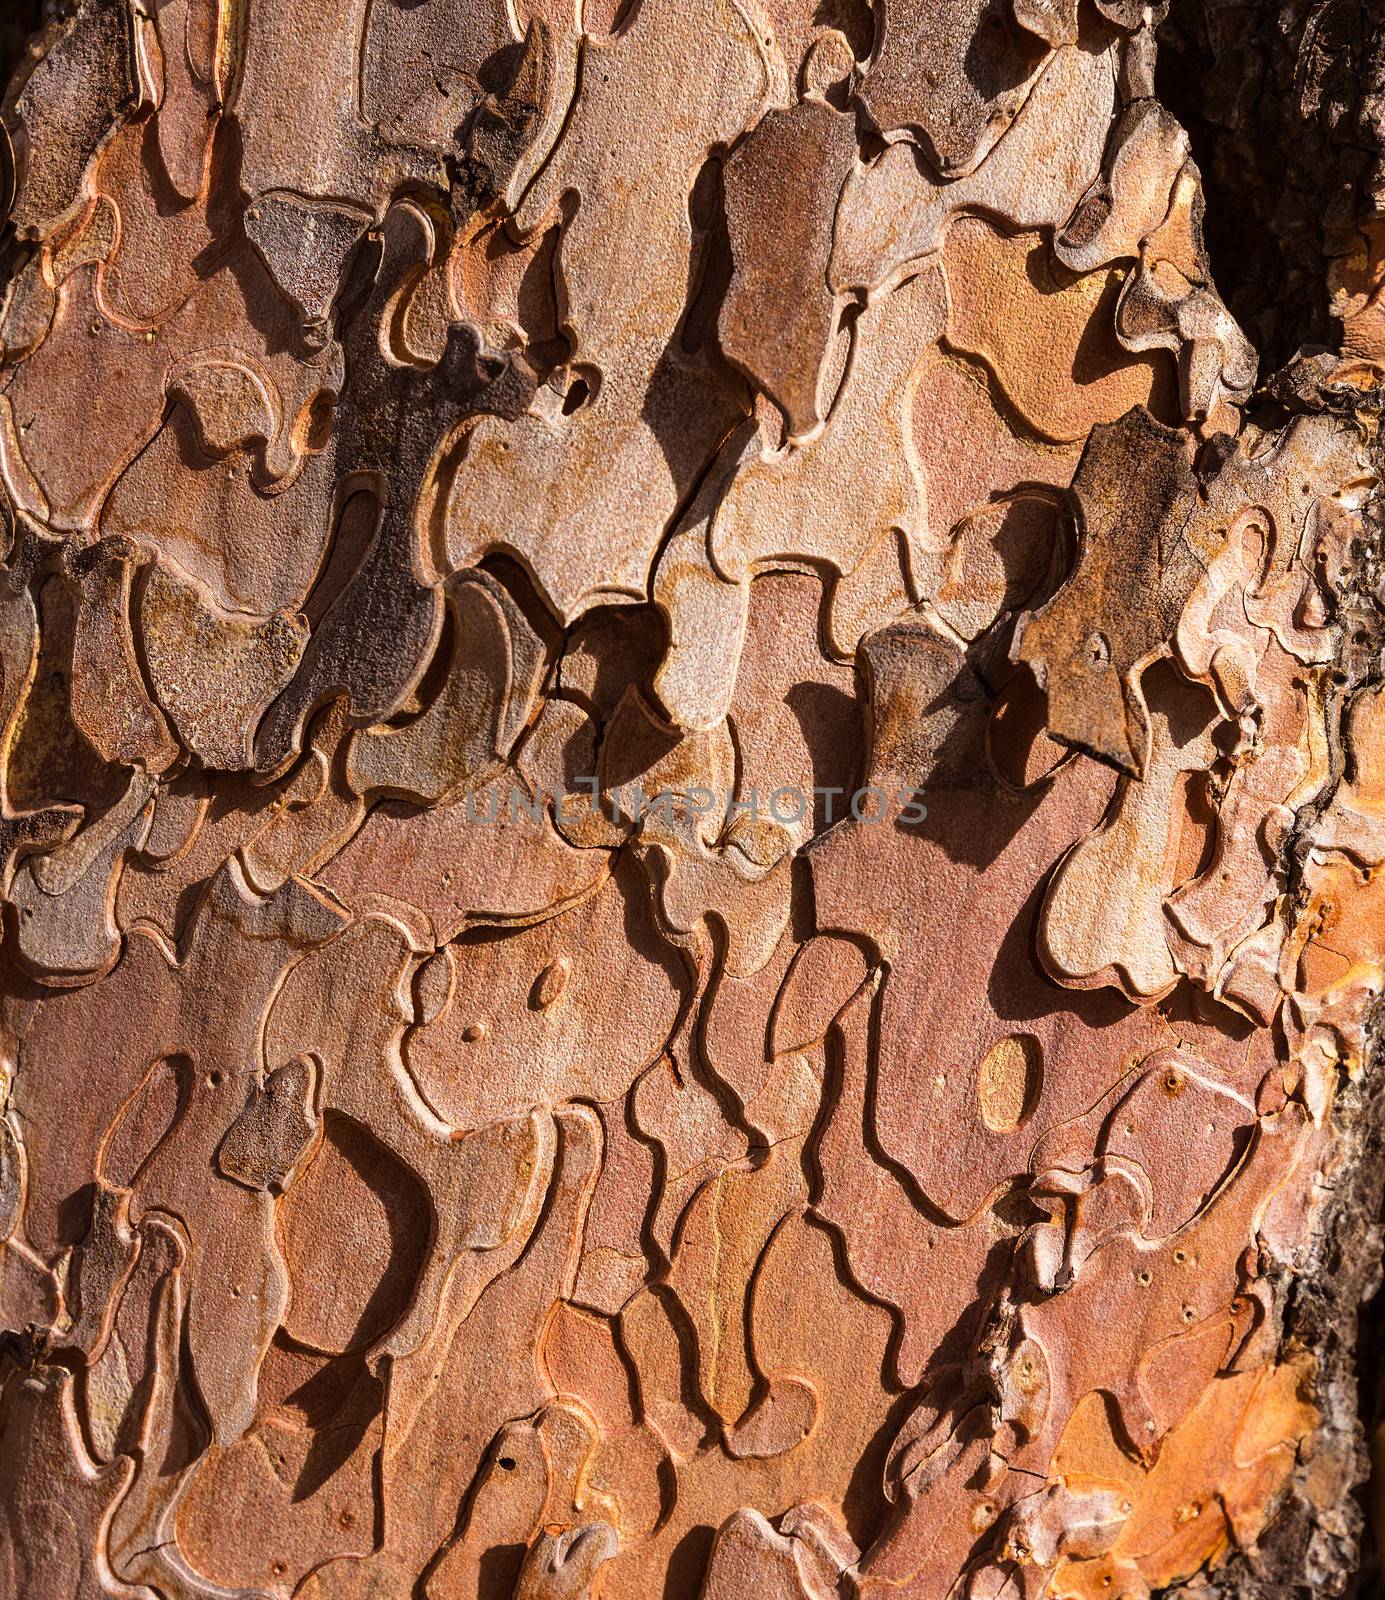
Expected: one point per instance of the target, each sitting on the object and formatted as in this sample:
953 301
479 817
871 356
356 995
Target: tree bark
691 798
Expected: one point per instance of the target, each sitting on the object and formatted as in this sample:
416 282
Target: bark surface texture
692 799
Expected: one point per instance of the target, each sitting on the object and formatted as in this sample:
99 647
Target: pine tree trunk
691 798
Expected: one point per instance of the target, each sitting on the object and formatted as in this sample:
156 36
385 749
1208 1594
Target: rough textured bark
691 798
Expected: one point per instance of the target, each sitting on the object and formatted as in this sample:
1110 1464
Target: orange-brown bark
691 801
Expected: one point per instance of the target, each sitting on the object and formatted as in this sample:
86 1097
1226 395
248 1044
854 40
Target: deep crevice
18 19
1281 102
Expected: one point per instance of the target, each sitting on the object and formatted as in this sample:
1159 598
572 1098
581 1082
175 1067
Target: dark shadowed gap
18 19
1277 101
